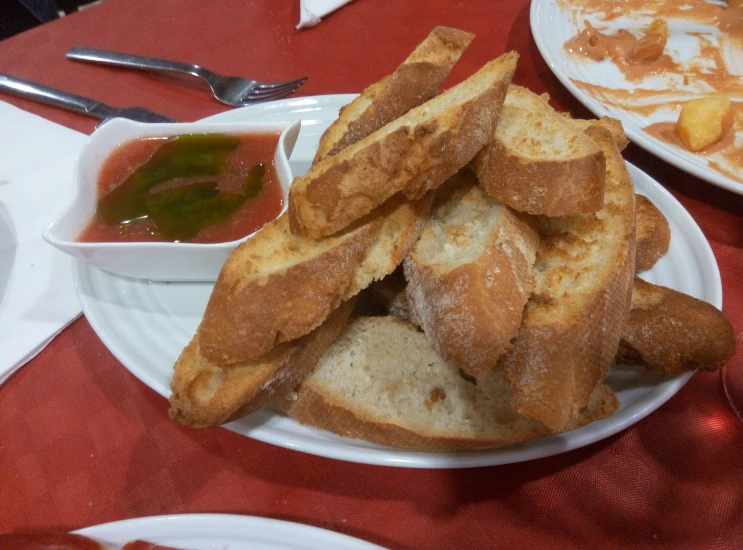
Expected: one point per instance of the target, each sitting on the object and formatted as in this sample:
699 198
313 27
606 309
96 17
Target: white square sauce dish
145 192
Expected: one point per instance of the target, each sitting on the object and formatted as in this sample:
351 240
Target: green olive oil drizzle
182 211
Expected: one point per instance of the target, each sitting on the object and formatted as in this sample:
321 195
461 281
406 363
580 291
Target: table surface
83 442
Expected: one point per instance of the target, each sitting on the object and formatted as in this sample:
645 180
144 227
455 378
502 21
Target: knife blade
79 104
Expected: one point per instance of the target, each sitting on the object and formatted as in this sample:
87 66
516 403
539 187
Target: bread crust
671 333
653 234
528 180
414 153
402 223
205 394
574 321
254 308
414 82
471 311
319 404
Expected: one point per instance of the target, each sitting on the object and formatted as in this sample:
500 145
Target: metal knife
79 104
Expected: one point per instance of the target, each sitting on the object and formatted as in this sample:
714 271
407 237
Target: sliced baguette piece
574 320
537 162
670 332
653 234
401 227
414 82
383 382
414 153
469 276
278 286
205 394
613 125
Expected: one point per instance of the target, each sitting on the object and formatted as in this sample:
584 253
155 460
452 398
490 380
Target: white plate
146 324
552 26
223 532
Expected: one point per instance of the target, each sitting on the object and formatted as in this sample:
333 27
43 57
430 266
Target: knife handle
45 94
117 59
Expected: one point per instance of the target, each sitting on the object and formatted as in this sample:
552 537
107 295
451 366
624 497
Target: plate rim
655 147
207 524
375 455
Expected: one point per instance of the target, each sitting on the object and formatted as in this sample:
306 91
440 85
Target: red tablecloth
83 442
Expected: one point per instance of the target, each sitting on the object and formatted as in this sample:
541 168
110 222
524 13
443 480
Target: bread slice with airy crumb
383 382
469 275
414 82
278 286
412 154
403 221
670 332
205 394
537 162
653 234
576 316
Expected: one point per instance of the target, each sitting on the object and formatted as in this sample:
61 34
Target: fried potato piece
703 122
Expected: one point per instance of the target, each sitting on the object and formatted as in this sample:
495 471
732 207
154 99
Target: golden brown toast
205 394
653 234
540 163
574 320
414 82
412 154
670 332
470 275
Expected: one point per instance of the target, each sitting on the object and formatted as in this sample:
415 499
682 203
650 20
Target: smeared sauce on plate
201 188
713 70
637 57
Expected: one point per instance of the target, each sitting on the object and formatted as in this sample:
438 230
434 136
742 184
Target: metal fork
232 90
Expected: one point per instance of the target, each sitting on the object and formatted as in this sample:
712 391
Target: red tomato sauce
250 216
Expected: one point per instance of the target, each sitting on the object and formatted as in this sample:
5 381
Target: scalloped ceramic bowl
159 261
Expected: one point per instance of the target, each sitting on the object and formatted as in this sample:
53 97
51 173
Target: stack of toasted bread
501 239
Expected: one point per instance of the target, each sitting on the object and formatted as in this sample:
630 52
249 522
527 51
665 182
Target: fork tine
275 94
285 89
275 85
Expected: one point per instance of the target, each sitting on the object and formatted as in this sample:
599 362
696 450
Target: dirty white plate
552 25
223 532
146 324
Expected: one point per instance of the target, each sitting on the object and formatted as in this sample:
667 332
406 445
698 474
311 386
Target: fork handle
117 59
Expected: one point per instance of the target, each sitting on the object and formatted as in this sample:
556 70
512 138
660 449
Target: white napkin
311 11
37 295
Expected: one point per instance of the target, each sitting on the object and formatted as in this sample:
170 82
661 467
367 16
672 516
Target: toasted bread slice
613 125
670 332
414 82
653 234
278 286
469 276
205 394
401 228
537 162
383 382
573 322
414 153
